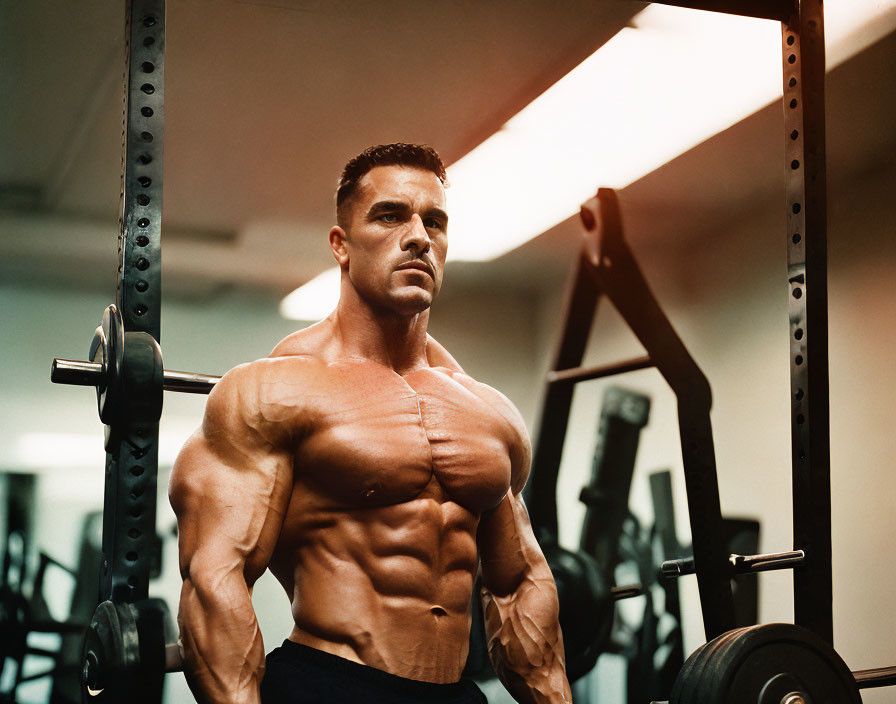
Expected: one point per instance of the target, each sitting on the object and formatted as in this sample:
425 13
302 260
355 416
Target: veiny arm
229 489
519 596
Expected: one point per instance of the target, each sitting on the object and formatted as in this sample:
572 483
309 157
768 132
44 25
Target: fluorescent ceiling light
313 300
655 90
37 451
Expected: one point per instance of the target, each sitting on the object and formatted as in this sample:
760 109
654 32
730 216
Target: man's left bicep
508 550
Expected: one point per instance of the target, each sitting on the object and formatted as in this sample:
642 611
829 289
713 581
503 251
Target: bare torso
371 476
378 545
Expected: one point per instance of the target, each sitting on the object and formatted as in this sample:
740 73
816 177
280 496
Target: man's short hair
419 156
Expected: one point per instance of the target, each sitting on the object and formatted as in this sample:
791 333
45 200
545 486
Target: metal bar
778 10
626 592
138 293
129 506
745 564
617 274
78 373
174 658
804 121
190 382
678 567
541 491
741 564
577 374
742 538
878 677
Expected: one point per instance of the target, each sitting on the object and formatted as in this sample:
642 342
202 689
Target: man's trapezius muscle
372 477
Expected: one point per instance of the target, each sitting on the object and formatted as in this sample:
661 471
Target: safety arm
521 609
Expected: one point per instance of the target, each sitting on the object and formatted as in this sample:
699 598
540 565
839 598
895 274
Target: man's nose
416 237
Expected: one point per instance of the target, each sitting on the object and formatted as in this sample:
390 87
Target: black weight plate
124 653
153 620
683 681
712 674
110 654
705 668
586 607
688 687
705 680
744 668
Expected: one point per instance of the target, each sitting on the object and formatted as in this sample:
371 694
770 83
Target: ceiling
266 99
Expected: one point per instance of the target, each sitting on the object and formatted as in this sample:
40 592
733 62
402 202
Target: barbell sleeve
174 658
741 564
80 373
626 592
77 373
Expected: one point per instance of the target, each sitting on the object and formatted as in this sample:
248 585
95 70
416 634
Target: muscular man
374 479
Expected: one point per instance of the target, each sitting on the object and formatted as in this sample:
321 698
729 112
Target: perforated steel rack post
804 125
804 122
129 511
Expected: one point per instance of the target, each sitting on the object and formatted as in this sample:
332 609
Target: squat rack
618 277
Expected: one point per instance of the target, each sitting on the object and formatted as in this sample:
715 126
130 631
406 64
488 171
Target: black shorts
298 674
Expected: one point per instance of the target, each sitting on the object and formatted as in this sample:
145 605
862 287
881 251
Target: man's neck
393 340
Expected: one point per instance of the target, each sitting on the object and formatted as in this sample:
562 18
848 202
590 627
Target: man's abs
378 548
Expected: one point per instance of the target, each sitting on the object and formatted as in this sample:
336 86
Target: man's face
396 238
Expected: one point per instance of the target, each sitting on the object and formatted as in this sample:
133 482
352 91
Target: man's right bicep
229 505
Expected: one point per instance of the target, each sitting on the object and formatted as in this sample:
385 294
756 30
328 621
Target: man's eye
389 217
432 223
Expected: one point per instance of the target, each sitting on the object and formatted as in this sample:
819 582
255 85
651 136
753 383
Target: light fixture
313 300
44 450
656 89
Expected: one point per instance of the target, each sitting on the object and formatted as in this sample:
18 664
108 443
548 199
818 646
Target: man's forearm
524 640
222 644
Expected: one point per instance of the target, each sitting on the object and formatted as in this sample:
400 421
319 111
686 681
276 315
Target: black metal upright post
129 512
541 492
804 120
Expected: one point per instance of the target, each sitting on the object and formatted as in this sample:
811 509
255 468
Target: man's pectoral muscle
229 488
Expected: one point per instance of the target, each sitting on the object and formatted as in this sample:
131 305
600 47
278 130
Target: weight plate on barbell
586 607
761 665
123 656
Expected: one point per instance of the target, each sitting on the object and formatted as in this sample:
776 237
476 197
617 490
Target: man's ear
337 245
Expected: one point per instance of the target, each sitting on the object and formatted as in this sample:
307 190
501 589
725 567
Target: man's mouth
420 266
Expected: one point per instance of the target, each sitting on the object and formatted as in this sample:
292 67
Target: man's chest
377 438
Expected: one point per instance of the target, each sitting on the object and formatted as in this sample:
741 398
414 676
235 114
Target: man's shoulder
269 381
489 394
517 437
440 360
438 357
313 342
